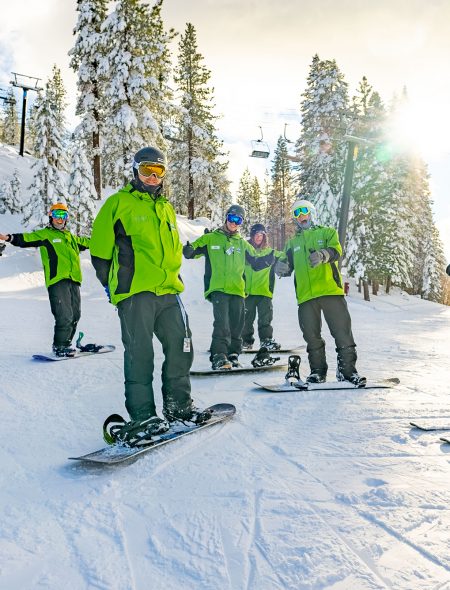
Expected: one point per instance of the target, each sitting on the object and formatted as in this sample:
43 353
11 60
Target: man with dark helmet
137 254
60 254
226 254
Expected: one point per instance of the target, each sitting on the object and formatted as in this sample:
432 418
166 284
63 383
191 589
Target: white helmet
303 207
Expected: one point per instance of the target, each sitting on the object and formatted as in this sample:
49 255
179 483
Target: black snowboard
52 357
282 350
430 427
327 386
117 453
234 370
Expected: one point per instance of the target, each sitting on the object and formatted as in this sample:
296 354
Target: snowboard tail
118 453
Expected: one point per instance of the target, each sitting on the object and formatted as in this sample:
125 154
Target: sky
259 55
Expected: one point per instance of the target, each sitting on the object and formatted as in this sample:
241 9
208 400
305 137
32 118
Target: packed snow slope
301 490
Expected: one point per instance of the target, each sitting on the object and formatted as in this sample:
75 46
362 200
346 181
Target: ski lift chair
260 149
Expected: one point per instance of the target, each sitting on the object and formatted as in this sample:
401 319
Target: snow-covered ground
299 491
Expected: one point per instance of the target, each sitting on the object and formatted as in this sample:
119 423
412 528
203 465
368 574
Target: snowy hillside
328 490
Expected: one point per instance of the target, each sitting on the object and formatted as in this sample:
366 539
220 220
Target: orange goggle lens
149 168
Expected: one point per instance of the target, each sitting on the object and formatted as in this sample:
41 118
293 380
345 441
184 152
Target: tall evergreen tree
82 190
129 122
198 168
85 60
10 127
281 196
321 148
10 199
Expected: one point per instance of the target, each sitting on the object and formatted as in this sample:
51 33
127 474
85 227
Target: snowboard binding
293 371
87 347
263 358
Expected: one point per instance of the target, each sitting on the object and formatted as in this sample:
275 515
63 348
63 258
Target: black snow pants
265 316
65 303
228 322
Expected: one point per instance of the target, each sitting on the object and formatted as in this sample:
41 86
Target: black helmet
148 154
236 210
258 227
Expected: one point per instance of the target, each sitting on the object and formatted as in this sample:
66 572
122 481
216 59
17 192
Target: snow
301 490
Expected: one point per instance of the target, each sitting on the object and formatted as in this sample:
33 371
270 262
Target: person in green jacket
313 254
60 254
226 254
137 253
259 287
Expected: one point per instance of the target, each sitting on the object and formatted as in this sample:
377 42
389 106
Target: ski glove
108 294
282 269
188 250
319 257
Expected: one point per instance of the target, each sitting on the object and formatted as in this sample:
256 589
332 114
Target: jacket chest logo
57 240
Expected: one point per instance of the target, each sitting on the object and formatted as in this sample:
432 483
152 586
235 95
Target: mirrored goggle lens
59 214
234 219
149 168
301 211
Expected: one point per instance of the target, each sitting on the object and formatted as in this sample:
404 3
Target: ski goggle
148 168
232 218
301 211
59 214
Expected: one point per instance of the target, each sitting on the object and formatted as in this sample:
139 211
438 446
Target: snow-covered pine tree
281 195
81 189
56 96
243 196
129 120
10 127
85 58
10 199
198 166
249 195
321 148
48 183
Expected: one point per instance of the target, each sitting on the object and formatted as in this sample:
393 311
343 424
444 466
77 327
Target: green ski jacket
262 282
60 252
325 279
135 245
226 256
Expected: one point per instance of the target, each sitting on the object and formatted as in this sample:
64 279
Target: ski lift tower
260 149
26 83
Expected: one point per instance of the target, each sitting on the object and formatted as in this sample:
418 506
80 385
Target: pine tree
198 168
129 122
48 183
81 190
281 196
249 195
85 60
321 148
10 128
10 199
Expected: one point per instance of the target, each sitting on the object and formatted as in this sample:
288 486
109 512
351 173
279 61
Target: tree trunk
359 285
375 287
191 180
366 290
388 284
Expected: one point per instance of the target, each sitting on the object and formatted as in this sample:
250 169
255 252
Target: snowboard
52 357
282 350
445 439
118 453
234 370
327 386
431 427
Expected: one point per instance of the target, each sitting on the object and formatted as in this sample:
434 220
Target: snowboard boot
355 379
316 376
136 432
293 368
263 358
270 344
247 345
189 414
220 362
61 351
234 359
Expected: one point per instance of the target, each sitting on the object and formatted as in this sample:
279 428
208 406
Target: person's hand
188 250
4 237
318 257
108 294
282 269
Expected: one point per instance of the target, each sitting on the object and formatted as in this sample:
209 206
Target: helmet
299 203
258 227
148 154
236 210
58 207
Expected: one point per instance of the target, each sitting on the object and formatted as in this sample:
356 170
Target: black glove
318 257
447 270
188 250
2 247
282 269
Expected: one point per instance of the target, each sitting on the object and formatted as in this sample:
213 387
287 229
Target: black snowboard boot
62 351
138 432
270 344
316 376
234 359
263 358
189 414
355 379
220 362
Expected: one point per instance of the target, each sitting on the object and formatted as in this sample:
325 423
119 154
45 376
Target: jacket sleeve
83 242
334 247
289 256
29 240
102 241
200 246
